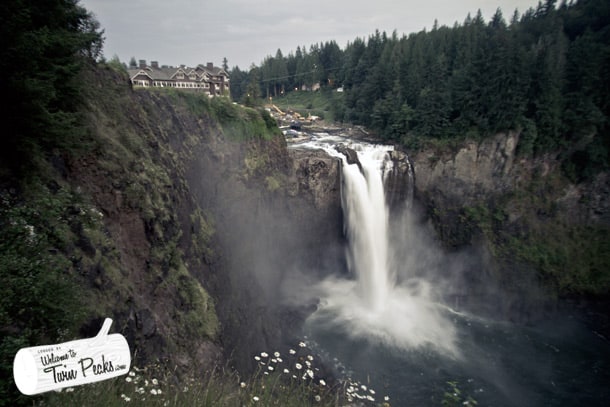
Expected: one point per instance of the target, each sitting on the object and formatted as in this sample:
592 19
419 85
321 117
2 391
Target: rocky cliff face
277 227
476 171
486 171
208 225
525 217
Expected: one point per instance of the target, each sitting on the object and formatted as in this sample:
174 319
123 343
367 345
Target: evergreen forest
544 73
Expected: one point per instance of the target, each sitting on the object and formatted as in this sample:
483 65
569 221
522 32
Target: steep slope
204 217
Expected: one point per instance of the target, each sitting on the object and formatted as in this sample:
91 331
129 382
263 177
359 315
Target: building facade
207 78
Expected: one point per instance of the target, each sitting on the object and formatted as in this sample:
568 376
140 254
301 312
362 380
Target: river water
386 326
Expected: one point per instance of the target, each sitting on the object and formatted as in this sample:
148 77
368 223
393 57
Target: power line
295 75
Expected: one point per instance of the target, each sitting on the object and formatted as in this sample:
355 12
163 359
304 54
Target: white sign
51 367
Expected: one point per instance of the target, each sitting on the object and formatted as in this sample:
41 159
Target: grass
280 380
320 103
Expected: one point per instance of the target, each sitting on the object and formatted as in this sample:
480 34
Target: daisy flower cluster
296 372
143 387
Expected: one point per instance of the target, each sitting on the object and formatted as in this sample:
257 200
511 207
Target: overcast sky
191 32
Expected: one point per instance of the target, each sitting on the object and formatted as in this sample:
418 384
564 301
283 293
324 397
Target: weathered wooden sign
43 368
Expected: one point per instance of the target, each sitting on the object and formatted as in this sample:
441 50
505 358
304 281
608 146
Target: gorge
212 241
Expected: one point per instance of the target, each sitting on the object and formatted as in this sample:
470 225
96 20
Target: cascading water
367 226
371 303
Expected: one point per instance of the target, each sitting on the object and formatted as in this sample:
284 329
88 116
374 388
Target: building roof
165 73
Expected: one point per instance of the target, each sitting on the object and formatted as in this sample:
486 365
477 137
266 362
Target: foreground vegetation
280 380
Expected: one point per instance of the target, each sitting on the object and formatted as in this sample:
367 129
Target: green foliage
574 259
281 380
197 313
38 286
202 228
243 123
116 64
570 259
198 104
453 397
324 104
272 183
50 41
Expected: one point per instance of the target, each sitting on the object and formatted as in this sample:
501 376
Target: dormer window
180 75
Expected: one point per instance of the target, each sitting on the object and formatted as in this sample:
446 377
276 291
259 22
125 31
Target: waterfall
366 214
373 303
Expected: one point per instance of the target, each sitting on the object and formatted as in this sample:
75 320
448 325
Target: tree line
545 73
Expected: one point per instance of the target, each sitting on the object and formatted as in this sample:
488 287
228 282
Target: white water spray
374 305
367 226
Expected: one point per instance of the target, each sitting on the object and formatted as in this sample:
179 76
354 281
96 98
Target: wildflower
292 351
370 398
132 373
270 368
255 398
371 391
302 344
242 385
264 354
280 360
309 373
155 382
322 382
274 360
386 398
159 391
257 358
69 389
276 354
317 398
124 397
128 379
308 363
286 371
309 357
186 389
298 366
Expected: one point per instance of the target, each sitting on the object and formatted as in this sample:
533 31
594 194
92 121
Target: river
386 326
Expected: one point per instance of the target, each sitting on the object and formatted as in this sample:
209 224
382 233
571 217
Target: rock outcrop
475 171
521 214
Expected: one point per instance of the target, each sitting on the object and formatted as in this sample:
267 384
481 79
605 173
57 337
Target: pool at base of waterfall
558 362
